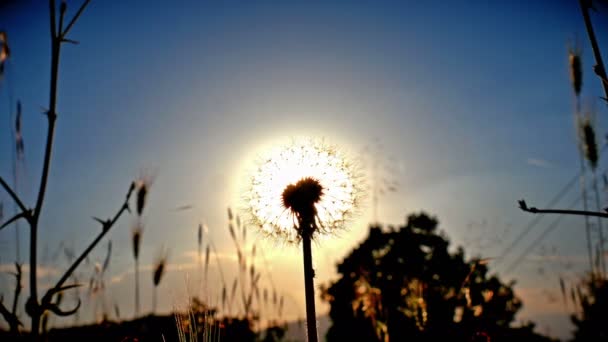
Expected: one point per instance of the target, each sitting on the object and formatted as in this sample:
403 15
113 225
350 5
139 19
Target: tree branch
18 288
73 21
106 226
13 195
523 206
9 317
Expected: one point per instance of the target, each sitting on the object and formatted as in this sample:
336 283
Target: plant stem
599 69
309 287
154 300
51 116
136 287
599 226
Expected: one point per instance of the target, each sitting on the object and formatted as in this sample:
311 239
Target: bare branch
73 21
53 28
13 219
9 317
13 195
523 206
54 308
18 287
71 41
106 227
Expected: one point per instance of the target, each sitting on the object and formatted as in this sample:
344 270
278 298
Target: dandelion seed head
305 178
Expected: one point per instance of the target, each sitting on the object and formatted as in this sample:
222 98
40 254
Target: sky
466 106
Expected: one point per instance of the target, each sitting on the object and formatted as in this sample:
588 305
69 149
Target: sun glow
286 165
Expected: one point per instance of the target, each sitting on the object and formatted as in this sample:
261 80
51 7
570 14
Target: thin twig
9 317
73 21
13 195
18 287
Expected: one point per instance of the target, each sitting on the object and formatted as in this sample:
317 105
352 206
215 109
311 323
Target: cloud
539 162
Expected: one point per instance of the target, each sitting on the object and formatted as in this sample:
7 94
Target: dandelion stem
309 287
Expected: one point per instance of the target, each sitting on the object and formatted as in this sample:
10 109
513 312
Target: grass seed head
136 234
589 142
576 72
142 192
160 268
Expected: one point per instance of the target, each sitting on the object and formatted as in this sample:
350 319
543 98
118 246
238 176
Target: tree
590 321
405 284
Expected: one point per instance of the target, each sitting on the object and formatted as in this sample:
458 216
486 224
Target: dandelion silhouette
299 191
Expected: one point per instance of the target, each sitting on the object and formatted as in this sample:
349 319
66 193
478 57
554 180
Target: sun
304 177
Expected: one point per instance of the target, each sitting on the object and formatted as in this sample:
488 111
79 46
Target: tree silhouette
405 284
590 321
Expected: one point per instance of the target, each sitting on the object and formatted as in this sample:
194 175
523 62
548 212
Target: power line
538 218
534 243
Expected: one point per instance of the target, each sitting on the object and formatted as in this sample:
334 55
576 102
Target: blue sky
470 101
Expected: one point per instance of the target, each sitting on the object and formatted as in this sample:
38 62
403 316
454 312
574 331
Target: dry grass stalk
136 235
160 266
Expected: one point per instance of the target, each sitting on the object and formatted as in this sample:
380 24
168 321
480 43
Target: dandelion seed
229 214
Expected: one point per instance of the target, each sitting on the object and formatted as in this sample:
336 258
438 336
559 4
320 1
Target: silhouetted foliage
405 284
590 321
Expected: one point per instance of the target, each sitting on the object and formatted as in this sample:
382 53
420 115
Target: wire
534 243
